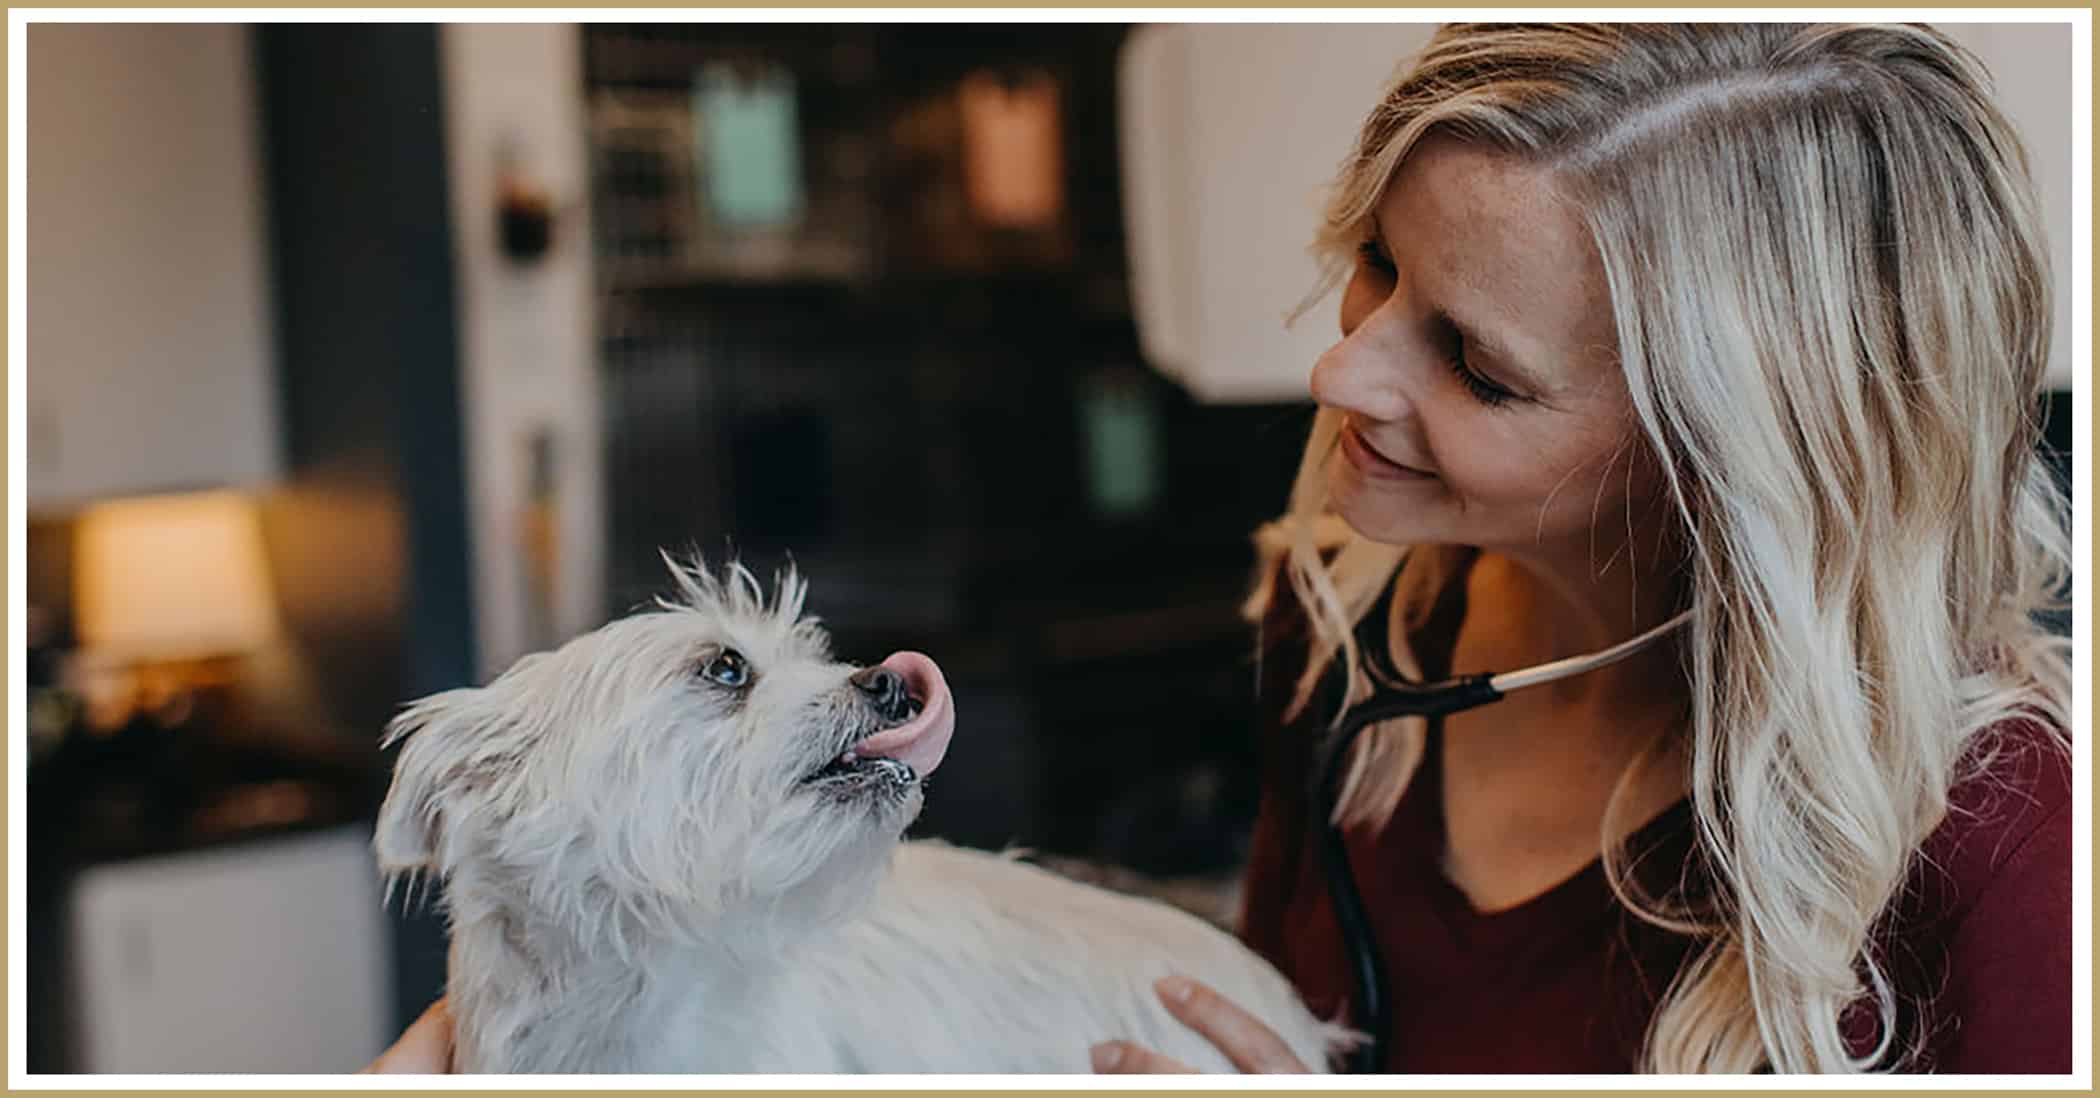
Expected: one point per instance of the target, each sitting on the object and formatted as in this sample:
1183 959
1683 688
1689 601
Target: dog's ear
432 735
456 750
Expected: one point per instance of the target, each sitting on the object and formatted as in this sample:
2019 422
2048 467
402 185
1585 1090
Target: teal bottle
750 150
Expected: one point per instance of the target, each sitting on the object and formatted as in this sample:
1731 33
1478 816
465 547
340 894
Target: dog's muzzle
889 697
908 696
887 692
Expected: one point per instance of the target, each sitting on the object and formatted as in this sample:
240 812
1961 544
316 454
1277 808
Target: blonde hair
1826 269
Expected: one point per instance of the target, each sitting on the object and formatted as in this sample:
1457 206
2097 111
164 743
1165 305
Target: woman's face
1477 375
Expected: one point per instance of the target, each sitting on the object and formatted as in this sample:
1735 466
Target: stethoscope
1395 696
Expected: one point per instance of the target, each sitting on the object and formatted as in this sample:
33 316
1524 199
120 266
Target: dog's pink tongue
921 742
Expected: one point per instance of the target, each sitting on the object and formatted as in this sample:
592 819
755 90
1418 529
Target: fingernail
1177 988
1106 1056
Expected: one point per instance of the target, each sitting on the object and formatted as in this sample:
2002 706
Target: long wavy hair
1824 259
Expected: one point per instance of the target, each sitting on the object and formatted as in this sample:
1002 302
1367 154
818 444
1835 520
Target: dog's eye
728 669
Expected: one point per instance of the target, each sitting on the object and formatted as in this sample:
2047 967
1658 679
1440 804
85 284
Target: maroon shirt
1978 944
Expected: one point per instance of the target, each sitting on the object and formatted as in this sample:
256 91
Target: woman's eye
727 669
1482 390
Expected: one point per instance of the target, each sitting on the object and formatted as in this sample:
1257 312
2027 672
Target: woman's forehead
1488 239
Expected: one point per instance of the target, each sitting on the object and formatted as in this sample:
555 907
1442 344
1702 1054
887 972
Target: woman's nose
1365 371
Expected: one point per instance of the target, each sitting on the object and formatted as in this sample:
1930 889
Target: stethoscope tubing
1396 697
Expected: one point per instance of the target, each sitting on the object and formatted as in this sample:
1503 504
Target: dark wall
371 533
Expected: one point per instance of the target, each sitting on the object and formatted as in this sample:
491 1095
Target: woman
1745 320
1748 320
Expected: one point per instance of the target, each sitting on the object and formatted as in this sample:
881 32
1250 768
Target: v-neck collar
1417 832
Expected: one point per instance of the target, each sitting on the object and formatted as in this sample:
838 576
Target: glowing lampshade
172 577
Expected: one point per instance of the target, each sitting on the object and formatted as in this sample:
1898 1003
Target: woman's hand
1252 1047
425 1048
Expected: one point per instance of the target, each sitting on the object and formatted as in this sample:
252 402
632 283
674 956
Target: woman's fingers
1125 1058
1252 1047
425 1048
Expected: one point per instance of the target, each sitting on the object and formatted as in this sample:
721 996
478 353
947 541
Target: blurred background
365 359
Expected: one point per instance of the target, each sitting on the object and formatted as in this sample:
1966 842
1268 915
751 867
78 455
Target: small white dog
672 846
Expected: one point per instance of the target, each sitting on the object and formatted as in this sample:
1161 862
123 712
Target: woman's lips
1372 463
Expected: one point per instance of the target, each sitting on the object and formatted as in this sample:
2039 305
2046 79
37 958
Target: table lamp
171 590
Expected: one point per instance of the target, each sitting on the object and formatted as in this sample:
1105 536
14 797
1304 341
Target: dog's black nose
885 691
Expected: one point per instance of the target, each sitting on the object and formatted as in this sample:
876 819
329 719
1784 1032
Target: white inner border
2081 360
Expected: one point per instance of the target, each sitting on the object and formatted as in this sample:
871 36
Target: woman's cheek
1492 460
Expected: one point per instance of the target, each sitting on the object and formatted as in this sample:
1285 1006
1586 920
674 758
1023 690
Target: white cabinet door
269 956
149 324
1230 132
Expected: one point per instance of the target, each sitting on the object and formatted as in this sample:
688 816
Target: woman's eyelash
1373 256
1483 390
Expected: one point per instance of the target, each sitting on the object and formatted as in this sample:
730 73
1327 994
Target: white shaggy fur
640 879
